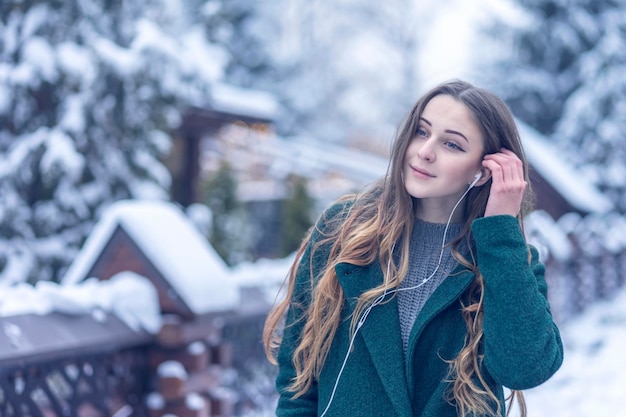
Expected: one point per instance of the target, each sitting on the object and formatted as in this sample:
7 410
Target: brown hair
378 218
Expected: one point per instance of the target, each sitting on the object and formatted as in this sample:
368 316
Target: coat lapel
447 292
381 332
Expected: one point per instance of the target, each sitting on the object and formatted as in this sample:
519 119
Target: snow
172 369
196 348
266 274
54 145
450 41
19 262
155 401
542 231
61 154
39 54
333 169
311 155
130 297
194 401
73 119
36 17
244 101
76 60
123 60
171 242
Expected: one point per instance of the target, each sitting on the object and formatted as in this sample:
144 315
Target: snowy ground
592 380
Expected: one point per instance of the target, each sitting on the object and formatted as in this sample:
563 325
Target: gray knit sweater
424 252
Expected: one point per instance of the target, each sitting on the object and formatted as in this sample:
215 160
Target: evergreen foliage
543 67
235 24
228 234
89 92
564 77
297 216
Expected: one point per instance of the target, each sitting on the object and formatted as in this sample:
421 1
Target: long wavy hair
378 222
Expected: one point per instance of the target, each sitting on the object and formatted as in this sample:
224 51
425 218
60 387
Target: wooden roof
33 337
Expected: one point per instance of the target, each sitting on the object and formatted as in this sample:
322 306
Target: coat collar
382 326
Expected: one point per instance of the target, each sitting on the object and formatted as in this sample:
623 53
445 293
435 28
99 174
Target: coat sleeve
522 344
310 266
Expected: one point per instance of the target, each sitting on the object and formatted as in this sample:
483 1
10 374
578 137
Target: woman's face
443 157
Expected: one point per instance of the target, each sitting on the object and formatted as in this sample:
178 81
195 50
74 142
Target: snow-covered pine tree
565 78
593 122
239 26
538 61
89 92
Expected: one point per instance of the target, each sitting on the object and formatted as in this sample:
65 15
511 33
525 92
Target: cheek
463 174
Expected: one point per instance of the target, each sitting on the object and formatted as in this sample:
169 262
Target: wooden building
156 240
225 105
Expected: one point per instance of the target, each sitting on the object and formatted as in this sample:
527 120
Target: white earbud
477 178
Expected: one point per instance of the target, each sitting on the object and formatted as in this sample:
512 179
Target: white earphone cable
381 298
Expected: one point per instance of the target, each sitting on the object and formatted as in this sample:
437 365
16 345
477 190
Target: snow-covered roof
313 154
177 249
128 296
244 101
546 160
312 158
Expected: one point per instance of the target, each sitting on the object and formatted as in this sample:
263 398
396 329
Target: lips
422 172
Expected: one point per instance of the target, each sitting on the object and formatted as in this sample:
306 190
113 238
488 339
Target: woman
420 296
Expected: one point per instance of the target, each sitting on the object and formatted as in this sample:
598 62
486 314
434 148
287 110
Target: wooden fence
57 366
585 258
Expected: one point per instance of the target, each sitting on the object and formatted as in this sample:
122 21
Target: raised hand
507 183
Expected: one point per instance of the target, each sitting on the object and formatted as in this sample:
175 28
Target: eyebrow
454 132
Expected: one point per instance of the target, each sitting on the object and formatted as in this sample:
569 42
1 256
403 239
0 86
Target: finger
497 163
511 166
515 164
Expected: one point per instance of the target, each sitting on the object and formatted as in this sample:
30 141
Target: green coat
522 345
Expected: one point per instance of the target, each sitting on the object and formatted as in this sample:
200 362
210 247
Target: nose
427 151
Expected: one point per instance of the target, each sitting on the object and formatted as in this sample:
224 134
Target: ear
486 176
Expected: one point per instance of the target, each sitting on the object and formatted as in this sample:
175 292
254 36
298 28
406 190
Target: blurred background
250 117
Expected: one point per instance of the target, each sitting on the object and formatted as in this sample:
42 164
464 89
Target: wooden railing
57 366
585 258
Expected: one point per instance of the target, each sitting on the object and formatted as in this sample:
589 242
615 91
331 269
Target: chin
413 193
